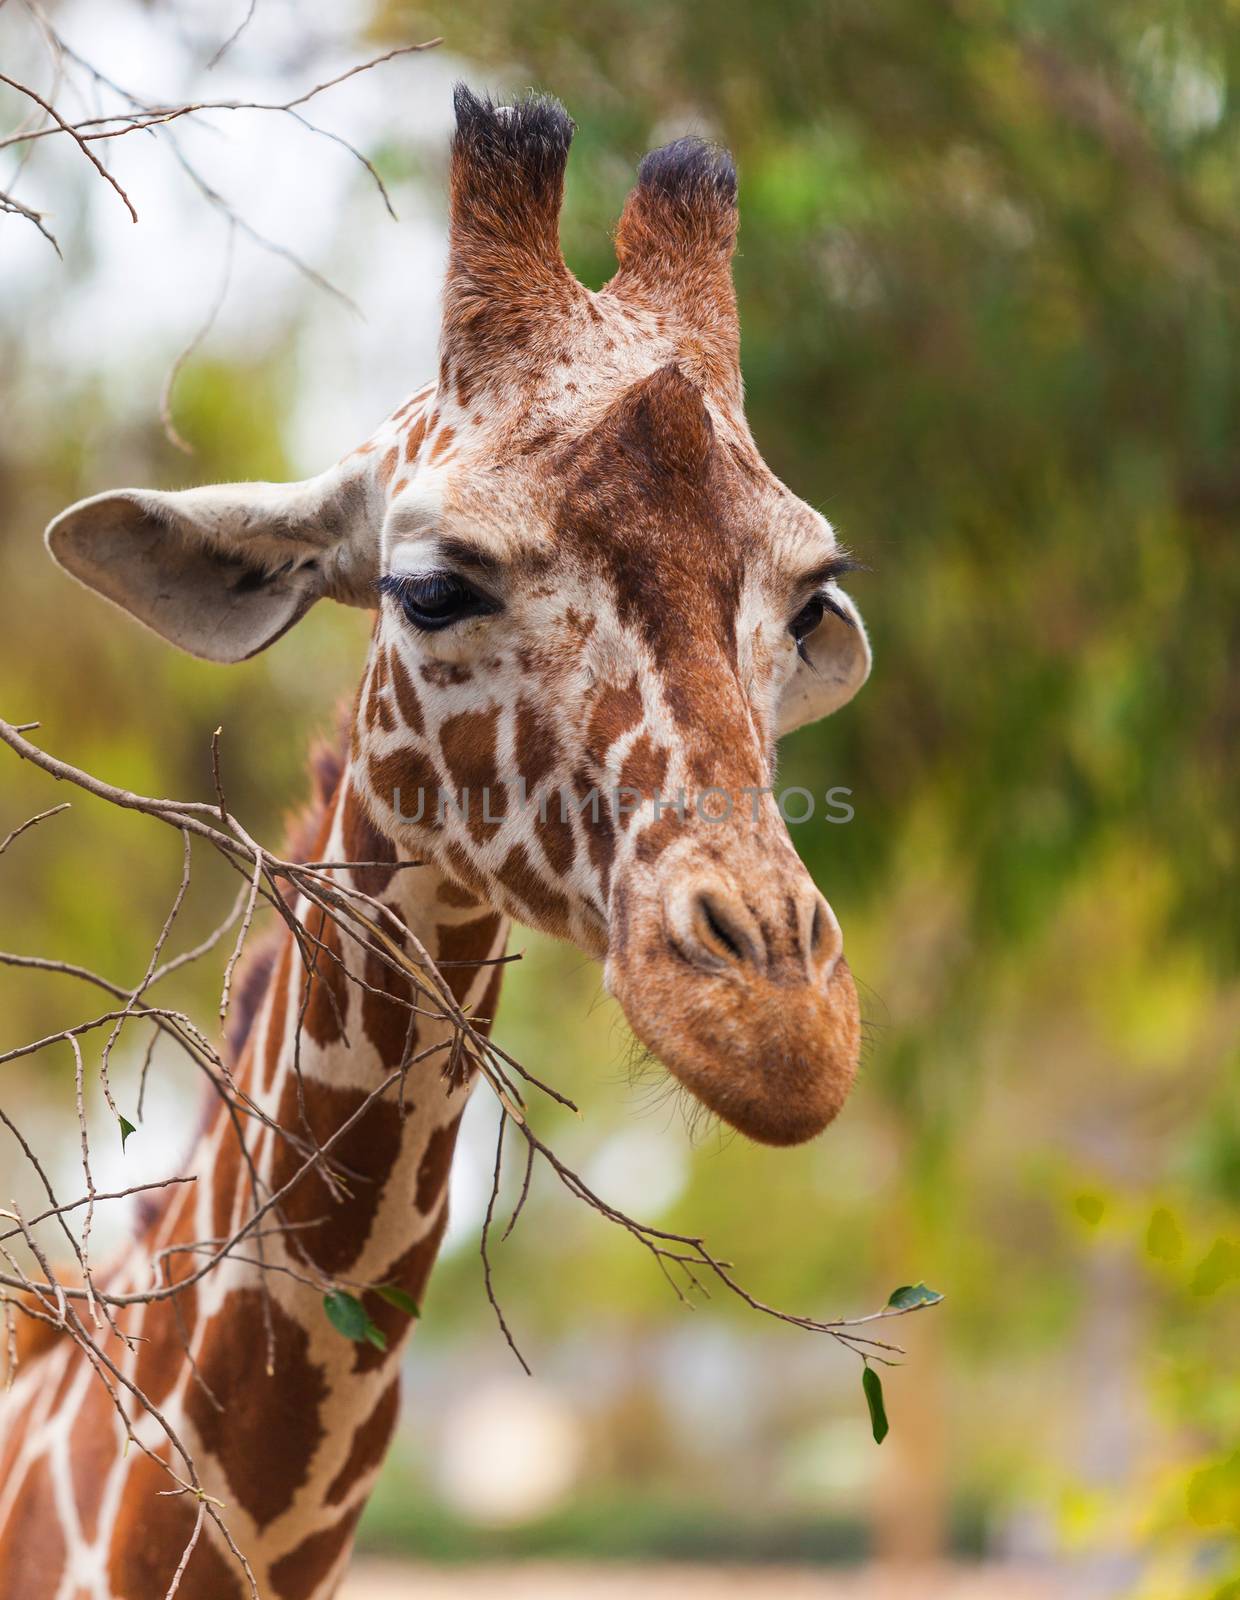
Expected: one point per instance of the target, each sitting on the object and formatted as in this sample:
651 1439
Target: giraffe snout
732 973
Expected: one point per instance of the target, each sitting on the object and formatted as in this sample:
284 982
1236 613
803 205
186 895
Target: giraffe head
597 609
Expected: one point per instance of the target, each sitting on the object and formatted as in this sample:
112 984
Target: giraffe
586 582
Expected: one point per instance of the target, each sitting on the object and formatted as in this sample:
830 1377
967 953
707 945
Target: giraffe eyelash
831 571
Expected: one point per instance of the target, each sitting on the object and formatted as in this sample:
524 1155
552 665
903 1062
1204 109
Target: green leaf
127 1128
396 1296
909 1295
1219 1266
1090 1207
872 1387
1163 1238
347 1314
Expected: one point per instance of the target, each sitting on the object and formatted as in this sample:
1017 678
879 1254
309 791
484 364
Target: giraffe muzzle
744 996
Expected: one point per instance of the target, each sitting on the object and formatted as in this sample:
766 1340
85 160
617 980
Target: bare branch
234 35
192 344
308 898
77 138
486 1229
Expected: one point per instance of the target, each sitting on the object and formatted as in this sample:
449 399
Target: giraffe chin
774 1060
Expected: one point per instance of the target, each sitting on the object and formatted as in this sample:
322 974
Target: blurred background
989 279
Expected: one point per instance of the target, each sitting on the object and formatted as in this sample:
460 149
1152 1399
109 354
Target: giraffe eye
805 621
434 600
810 615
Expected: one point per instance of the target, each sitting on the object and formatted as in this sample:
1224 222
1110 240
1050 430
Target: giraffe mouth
766 1042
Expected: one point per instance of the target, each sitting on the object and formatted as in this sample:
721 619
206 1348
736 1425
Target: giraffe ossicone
586 581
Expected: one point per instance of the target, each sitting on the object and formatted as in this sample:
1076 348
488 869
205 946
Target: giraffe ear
838 664
223 571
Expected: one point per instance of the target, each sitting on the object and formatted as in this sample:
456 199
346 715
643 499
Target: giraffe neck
287 1419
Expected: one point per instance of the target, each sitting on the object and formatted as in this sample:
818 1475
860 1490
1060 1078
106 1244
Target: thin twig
486 1259
234 35
30 822
192 344
73 133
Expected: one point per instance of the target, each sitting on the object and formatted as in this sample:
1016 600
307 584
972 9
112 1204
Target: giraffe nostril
818 928
826 942
723 929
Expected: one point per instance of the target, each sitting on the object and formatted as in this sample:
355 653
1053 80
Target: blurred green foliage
989 280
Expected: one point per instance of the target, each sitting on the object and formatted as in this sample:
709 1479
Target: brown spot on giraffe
445 674
537 744
653 840
410 1272
364 843
33 1554
580 628
168 1325
451 894
98 1425
225 1178
334 1224
277 1016
151 1533
299 1574
379 709
461 946
407 702
369 1444
264 1482
518 874
617 709
408 782
387 1018
326 987
33 1335
601 832
468 744
414 438
435 1165
555 833
645 768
